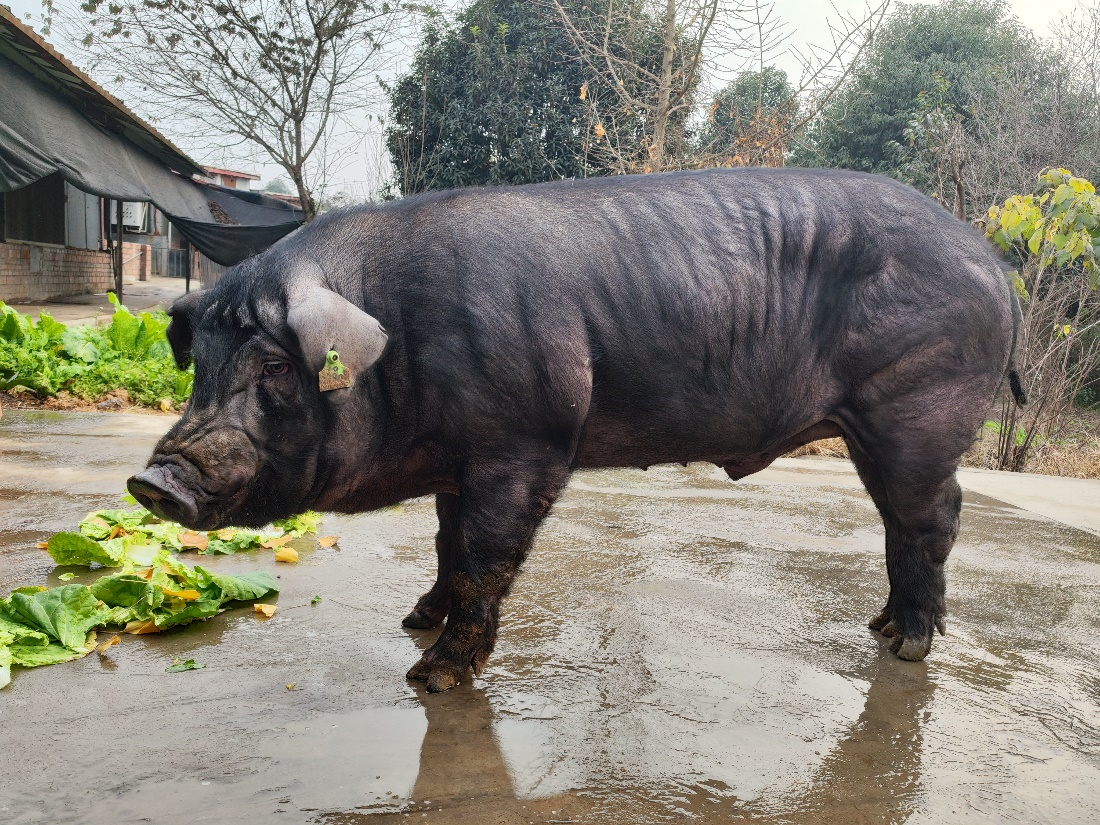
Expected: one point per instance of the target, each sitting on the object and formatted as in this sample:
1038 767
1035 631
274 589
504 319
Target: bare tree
698 40
275 75
652 81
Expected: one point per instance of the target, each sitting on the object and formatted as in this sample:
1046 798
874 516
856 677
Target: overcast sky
806 21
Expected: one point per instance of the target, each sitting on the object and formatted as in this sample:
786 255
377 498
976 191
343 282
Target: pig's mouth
160 490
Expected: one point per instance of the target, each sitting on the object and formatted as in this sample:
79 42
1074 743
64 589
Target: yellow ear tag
333 375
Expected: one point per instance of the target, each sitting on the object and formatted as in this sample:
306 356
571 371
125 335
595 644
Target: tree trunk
664 91
309 207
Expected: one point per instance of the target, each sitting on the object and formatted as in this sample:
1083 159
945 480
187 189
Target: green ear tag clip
333 375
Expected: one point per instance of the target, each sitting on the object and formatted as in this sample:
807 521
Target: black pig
497 339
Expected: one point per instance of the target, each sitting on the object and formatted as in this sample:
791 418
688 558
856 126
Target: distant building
228 178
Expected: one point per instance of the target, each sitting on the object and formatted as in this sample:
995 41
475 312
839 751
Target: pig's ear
324 321
179 329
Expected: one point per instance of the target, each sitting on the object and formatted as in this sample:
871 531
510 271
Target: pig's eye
274 369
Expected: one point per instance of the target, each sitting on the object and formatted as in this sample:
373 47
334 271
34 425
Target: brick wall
135 260
40 273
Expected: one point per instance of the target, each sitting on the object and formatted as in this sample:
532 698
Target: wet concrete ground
158 292
679 647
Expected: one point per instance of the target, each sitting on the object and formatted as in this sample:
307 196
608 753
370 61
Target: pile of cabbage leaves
148 589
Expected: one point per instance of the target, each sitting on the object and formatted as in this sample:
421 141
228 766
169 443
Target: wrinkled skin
499 338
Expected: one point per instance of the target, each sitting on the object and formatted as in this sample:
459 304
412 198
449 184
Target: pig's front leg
434 605
501 504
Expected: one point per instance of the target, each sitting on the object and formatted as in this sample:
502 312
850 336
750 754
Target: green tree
277 186
965 44
1038 114
648 56
489 99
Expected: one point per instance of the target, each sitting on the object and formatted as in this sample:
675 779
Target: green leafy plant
180 667
131 353
1018 436
148 590
1053 235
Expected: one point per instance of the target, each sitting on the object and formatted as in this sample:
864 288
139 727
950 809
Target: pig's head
253 444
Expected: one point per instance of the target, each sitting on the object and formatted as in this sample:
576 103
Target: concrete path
156 293
679 648
1071 501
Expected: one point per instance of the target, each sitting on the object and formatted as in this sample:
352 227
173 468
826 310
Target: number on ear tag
333 375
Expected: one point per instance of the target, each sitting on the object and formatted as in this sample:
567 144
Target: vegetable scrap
45 626
287 554
178 667
112 538
150 591
299 525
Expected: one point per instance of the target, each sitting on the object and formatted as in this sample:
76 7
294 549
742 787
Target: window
36 213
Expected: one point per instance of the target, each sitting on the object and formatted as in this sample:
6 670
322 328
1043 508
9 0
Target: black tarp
42 133
259 221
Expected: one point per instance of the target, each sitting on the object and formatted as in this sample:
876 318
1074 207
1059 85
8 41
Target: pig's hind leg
906 452
500 505
434 605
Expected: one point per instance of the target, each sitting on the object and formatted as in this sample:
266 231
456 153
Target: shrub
131 353
1054 236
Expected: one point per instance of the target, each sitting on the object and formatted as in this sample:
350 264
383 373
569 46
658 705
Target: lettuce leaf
300 524
51 654
151 596
246 586
65 614
44 626
119 616
73 548
21 633
5 667
126 590
202 609
5 658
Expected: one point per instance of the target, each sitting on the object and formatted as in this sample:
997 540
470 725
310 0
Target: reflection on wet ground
679 647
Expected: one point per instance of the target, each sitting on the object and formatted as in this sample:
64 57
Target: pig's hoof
439 675
911 648
422 619
884 624
907 646
441 681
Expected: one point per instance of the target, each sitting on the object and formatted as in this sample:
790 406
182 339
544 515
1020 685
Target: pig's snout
197 476
157 490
